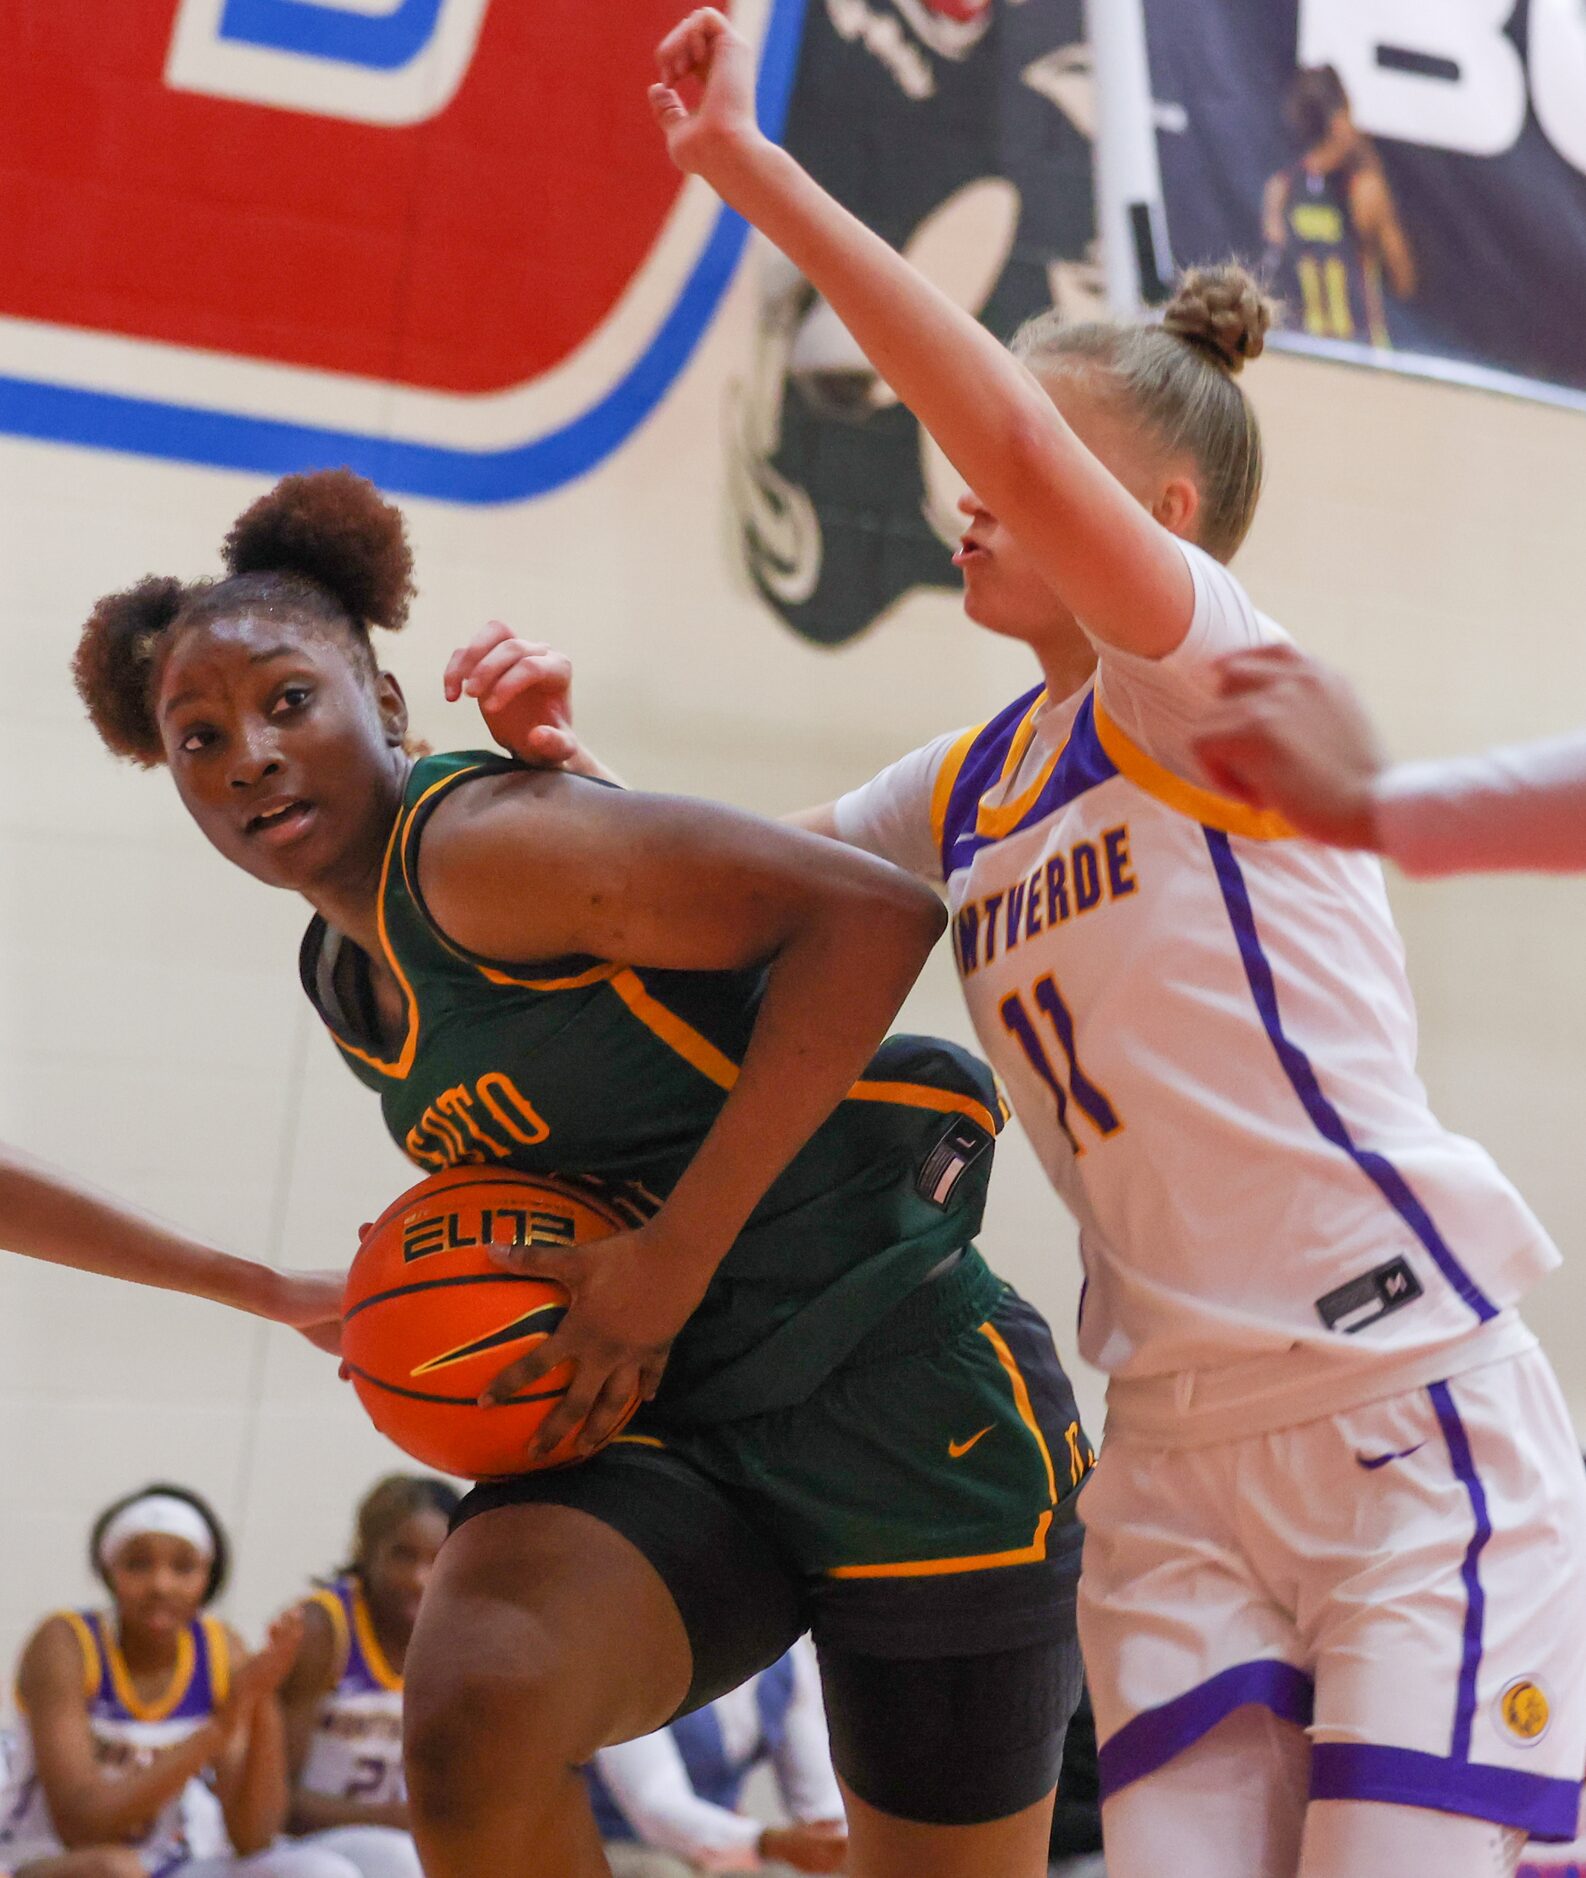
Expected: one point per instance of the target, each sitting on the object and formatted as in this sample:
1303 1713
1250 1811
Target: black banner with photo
961 131
1411 174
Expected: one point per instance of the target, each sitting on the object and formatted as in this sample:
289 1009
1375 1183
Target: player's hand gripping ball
430 1318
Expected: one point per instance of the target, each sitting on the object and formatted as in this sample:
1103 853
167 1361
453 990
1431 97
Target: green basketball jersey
596 1071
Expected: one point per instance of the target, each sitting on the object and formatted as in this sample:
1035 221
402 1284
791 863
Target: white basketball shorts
1406 1581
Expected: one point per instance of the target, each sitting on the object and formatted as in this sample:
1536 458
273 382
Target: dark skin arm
1377 224
49 1215
250 1774
664 882
308 1682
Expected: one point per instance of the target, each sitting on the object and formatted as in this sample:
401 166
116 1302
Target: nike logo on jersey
958 1449
535 1326
1371 1462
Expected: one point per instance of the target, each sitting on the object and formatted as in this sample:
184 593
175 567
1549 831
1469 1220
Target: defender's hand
310 1302
525 692
1290 734
624 1308
710 60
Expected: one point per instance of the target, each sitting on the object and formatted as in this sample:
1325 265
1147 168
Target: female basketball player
859 1429
343 1698
1288 734
1341 1494
147 1727
48 1215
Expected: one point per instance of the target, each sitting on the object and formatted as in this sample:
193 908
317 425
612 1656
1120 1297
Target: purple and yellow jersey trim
989 761
199 1683
1095 750
364 1669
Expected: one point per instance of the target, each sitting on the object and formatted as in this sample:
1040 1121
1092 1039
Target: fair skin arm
1105 556
1288 733
308 1682
89 1806
678 885
52 1216
527 687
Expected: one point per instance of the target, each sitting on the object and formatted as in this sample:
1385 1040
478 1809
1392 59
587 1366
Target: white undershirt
650 1786
1517 809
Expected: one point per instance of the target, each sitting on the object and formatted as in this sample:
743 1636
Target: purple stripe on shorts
1326 1120
1152 1738
1350 1770
1475 1598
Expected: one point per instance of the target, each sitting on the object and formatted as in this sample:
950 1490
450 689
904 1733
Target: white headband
157 1513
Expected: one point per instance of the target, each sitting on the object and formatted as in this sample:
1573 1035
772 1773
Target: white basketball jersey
127 1732
1205 1028
356 1749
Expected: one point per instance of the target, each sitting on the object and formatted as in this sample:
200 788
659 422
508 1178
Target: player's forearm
255 1802
45 1214
831 992
1512 810
107 1810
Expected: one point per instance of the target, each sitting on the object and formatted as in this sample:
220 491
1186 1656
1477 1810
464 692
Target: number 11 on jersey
1079 1089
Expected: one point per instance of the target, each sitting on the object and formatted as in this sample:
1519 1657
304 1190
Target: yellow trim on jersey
218 1638
89 1645
121 1677
675 1032
595 975
918 1095
374 1657
331 1605
1021 1401
995 822
720 1069
636 1441
1030 1554
946 776
986 1561
410 1042
1200 805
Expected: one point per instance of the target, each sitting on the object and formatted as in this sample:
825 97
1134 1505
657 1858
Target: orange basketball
429 1318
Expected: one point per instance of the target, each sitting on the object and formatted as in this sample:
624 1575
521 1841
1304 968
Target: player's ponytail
320 550
336 531
1179 377
115 660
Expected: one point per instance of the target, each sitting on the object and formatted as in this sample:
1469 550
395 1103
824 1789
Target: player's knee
502 1732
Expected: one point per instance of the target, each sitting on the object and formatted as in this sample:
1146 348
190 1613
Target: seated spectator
152 1741
667 1805
343 1697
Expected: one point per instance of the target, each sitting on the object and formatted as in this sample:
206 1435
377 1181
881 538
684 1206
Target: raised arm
1099 549
49 1215
663 882
250 1776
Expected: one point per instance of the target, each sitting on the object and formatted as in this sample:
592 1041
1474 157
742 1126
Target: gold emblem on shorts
1524 1710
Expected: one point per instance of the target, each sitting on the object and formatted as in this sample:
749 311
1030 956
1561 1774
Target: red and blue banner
1411 172
437 240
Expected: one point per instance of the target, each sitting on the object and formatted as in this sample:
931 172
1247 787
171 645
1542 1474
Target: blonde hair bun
1224 311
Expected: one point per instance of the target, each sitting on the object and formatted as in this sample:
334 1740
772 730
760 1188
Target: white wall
152 1034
